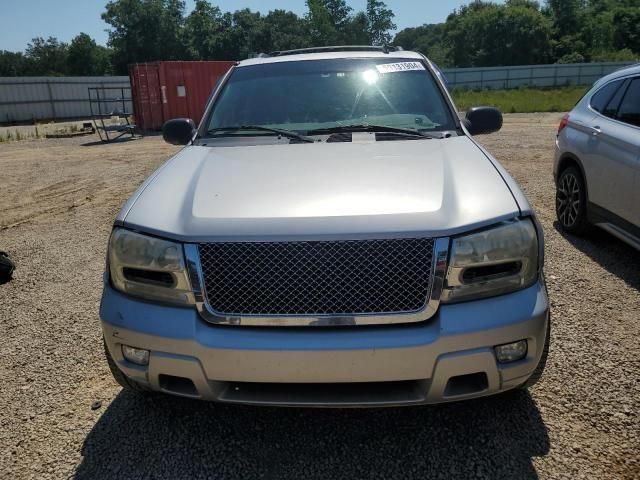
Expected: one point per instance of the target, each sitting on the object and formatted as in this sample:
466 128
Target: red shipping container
165 90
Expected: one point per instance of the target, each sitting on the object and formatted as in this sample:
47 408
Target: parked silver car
331 235
597 159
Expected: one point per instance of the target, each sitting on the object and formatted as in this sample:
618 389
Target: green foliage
247 33
566 15
380 22
624 55
518 32
204 31
322 29
626 30
330 22
428 39
486 34
52 57
85 57
12 64
573 57
145 30
46 57
521 100
480 33
284 30
356 32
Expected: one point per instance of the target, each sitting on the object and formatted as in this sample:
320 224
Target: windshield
322 94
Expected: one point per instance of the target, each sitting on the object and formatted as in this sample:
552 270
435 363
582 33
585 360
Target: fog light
135 355
511 352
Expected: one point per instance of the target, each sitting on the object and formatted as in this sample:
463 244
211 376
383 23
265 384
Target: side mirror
483 120
178 131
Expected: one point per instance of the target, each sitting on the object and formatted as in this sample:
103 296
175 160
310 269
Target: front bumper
449 357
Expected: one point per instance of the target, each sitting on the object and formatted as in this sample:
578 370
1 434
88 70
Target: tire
571 202
537 373
124 381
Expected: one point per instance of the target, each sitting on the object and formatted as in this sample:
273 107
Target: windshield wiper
371 128
279 131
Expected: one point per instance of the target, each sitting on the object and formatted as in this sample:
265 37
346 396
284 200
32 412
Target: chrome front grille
317 278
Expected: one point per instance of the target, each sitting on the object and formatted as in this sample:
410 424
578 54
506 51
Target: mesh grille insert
317 277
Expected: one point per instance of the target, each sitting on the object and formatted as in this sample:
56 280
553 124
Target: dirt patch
58 202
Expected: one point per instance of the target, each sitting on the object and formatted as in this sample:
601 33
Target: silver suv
330 235
597 160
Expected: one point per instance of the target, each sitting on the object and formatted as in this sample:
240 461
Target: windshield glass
317 94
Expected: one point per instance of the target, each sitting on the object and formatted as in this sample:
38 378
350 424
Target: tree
12 64
285 31
624 55
331 22
487 34
85 57
46 57
427 39
480 33
380 22
247 34
626 29
523 3
597 31
520 31
172 29
205 29
567 18
356 31
322 27
145 30
339 12
567 15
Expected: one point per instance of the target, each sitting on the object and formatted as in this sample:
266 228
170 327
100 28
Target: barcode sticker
399 67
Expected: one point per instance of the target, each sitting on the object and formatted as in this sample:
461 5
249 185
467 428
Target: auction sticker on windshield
399 67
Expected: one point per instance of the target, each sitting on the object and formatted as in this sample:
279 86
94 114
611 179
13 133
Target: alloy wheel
568 199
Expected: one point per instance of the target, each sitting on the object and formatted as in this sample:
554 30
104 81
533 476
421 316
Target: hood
295 191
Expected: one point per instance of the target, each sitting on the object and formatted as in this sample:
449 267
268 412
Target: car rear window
629 111
611 110
602 97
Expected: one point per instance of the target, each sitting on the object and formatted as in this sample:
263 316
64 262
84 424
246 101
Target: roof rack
343 48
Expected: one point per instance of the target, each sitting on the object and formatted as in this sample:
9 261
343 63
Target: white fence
25 99
556 75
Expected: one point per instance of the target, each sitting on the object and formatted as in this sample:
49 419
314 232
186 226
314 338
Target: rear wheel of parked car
571 202
537 373
124 381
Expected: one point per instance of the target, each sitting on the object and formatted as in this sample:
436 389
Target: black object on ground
7 268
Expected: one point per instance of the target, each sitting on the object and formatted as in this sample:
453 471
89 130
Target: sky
22 20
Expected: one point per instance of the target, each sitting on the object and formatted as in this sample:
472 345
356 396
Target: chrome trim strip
440 257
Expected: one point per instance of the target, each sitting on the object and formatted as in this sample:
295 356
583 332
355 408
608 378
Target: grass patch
521 100
17 135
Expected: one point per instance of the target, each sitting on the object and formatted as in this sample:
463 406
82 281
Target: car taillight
563 123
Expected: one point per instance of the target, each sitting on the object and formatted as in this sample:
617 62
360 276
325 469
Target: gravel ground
59 198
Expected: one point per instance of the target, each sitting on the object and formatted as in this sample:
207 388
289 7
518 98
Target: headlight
149 267
492 262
